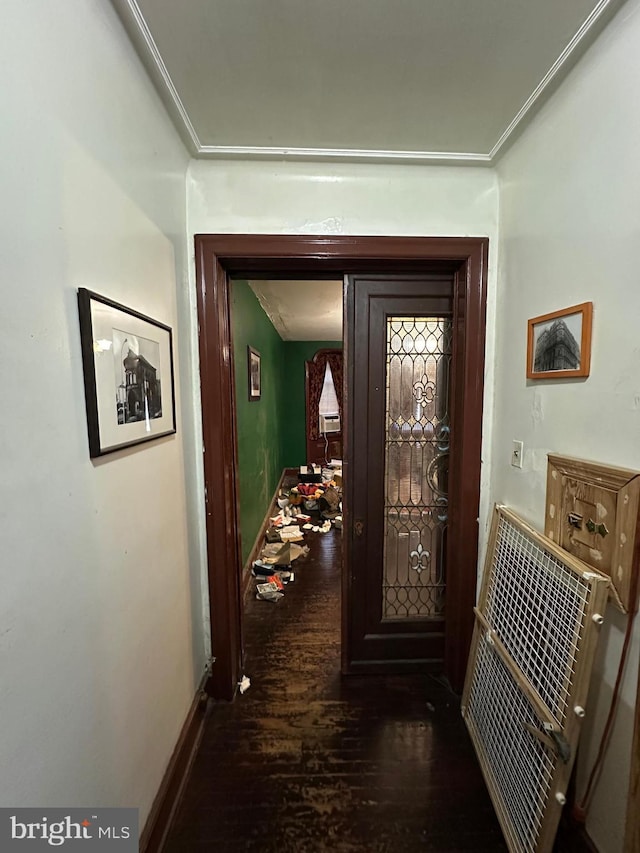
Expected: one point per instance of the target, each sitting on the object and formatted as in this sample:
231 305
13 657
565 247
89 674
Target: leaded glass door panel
401 400
417 428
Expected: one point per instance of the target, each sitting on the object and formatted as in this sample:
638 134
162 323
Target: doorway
464 262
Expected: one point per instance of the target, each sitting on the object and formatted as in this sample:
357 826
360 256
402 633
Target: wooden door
402 357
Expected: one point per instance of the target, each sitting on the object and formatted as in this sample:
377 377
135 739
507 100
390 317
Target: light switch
516 454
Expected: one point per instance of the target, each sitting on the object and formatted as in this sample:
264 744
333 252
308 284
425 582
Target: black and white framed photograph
127 360
254 379
559 343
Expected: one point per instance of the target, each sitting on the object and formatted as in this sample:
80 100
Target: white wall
570 232
98 662
101 606
353 199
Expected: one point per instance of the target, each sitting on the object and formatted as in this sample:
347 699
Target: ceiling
302 310
389 80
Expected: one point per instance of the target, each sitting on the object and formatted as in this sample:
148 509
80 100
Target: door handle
358 527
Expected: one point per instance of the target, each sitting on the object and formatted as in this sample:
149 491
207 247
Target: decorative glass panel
416 466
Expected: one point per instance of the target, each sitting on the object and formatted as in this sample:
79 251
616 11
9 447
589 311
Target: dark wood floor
307 761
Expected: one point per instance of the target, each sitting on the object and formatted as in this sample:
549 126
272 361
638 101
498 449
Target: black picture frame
254 374
129 396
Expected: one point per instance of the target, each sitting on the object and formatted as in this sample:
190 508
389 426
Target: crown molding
244 152
138 29
559 67
136 25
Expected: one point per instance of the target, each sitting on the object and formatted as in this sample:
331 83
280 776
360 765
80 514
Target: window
328 399
323 392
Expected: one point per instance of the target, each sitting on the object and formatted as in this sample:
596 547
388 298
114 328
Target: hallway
307 762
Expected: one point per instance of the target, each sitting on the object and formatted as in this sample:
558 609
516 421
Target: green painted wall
271 431
258 423
292 434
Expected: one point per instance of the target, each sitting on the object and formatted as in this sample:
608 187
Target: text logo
70 829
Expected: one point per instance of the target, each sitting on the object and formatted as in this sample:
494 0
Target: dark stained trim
220 466
166 801
469 319
217 257
266 254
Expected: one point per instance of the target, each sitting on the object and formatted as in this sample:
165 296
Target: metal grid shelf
531 658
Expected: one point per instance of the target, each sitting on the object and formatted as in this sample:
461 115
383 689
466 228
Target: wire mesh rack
536 632
537 607
502 720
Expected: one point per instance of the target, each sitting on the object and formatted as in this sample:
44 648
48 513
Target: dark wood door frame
219 256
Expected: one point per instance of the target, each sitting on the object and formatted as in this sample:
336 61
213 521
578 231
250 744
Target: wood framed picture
559 343
128 374
255 378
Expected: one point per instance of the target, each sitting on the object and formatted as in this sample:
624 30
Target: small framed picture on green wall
253 364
